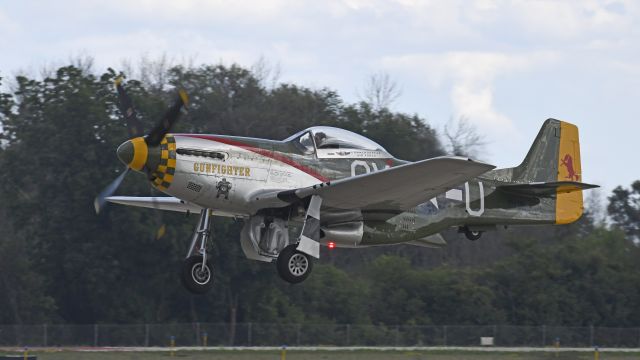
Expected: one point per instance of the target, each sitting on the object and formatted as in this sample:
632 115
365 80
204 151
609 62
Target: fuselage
224 173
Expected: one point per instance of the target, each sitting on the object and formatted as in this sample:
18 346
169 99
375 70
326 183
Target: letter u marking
468 199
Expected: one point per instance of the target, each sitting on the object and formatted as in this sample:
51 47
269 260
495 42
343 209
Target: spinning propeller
140 153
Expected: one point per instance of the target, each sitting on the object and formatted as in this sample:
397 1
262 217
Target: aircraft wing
155 202
390 190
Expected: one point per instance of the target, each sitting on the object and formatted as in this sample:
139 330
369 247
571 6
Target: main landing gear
266 238
197 271
259 241
293 266
295 262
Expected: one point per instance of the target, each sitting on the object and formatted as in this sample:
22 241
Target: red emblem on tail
568 162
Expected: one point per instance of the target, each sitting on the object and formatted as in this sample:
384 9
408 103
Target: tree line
60 263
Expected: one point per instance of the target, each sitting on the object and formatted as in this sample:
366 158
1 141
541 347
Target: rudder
555 157
569 206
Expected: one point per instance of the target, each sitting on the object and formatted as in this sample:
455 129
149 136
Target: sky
504 65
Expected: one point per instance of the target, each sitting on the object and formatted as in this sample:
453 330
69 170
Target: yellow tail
569 206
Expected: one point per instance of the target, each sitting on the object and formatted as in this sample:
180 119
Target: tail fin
555 157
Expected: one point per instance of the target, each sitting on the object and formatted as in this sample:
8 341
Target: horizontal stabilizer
431 241
547 188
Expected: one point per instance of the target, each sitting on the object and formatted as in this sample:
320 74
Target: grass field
323 354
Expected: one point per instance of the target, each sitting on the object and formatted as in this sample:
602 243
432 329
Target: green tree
624 210
581 280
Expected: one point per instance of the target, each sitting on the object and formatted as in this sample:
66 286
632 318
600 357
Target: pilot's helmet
319 137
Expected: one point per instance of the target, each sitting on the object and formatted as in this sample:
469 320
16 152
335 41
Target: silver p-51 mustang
328 186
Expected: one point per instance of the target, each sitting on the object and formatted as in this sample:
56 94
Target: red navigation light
331 245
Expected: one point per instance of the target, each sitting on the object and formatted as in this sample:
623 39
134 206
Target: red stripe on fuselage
259 151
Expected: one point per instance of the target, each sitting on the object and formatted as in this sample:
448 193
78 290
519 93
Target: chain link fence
260 334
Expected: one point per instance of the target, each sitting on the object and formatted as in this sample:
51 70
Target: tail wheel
472 235
195 277
293 266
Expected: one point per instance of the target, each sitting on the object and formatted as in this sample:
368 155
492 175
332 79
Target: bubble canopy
327 137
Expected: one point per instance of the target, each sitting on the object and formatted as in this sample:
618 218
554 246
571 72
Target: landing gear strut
197 271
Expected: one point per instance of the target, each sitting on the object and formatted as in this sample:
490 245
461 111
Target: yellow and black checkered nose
159 162
134 153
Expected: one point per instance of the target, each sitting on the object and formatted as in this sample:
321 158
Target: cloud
567 19
201 10
8 26
470 78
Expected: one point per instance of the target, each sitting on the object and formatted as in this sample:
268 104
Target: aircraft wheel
196 278
293 265
472 235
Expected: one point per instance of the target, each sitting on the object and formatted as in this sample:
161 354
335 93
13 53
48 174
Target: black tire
472 235
195 280
294 266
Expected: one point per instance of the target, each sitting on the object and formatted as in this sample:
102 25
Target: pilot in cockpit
320 138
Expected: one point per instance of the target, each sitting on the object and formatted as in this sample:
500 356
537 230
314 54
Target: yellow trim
168 178
569 205
161 232
140 153
162 171
184 97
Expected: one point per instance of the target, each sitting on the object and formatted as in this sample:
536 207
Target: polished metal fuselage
224 173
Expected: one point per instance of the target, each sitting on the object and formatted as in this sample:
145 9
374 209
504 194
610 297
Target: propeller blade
168 120
134 126
160 225
100 200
